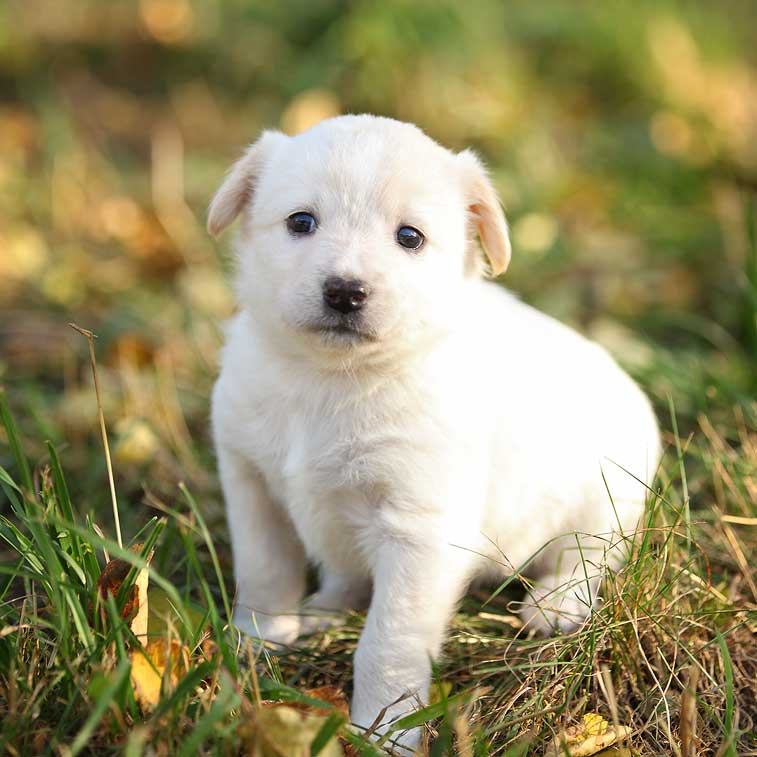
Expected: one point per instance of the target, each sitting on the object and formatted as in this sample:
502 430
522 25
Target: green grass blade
185 688
154 529
226 700
23 546
63 498
6 479
730 735
361 745
430 712
682 470
211 548
327 732
14 441
139 562
79 616
101 704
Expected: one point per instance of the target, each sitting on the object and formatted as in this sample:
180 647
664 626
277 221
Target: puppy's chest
327 465
331 454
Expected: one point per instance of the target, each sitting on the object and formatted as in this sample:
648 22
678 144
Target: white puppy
387 415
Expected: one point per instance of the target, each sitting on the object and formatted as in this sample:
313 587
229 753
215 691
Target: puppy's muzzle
344 295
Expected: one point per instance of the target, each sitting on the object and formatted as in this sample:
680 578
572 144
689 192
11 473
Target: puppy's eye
410 238
301 223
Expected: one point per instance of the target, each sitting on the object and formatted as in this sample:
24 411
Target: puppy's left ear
239 185
486 212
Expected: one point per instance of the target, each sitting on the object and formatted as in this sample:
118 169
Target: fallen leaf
328 694
435 695
160 660
331 695
283 735
688 728
286 731
591 735
594 724
137 444
130 349
135 609
139 621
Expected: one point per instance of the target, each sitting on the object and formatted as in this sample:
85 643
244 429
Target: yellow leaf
139 622
146 682
591 735
137 443
284 731
594 724
160 660
436 695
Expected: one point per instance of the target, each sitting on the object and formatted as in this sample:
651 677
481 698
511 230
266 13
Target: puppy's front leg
269 560
416 587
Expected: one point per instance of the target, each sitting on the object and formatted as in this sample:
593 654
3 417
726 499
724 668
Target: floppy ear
239 184
486 212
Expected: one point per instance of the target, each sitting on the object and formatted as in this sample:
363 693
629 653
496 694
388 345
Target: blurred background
622 137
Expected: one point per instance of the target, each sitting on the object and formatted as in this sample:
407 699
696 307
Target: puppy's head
359 232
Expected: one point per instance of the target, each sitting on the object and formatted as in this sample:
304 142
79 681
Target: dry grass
681 613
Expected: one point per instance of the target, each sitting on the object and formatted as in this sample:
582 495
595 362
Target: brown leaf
328 694
135 609
331 695
689 714
130 349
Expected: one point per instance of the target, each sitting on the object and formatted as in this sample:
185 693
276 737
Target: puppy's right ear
486 212
239 184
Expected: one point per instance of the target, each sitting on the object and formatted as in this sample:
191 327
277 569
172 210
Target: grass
618 137
685 600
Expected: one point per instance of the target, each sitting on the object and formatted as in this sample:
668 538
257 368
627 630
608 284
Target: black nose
344 295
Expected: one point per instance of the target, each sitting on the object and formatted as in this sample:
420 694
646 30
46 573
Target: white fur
466 435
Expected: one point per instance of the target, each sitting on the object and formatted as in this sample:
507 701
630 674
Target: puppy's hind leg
567 588
571 569
269 560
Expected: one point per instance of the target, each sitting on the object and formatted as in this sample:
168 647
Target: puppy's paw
548 611
404 744
323 611
314 622
277 629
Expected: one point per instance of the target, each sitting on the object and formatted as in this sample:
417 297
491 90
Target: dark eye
301 223
410 238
